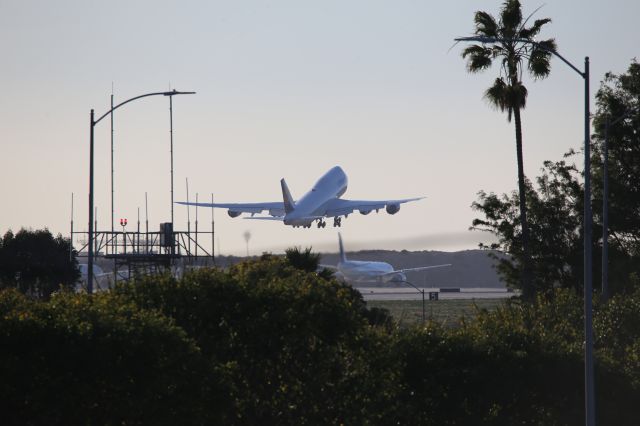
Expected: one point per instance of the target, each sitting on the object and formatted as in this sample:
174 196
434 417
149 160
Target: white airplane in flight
358 271
323 201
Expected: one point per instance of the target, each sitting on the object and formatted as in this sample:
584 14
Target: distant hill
470 268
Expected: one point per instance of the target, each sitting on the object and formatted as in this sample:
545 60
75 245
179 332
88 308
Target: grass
446 312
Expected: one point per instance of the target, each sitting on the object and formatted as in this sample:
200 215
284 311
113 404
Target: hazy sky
285 89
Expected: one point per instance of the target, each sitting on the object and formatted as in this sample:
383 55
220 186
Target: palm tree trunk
527 285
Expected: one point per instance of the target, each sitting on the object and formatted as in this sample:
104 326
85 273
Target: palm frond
496 95
506 97
486 24
539 63
510 18
479 57
530 16
534 30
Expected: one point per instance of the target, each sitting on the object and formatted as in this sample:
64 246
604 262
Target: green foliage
296 346
96 360
267 343
516 45
618 101
617 331
519 364
303 260
555 205
36 263
555 219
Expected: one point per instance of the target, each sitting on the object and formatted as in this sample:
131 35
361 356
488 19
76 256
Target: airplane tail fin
289 204
343 257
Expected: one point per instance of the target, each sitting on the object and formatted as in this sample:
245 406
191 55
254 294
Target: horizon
283 90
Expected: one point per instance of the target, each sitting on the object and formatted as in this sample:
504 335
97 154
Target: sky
286 89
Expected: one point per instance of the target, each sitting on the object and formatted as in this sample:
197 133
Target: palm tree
513 44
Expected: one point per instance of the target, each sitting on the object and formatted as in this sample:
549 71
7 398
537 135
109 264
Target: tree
296 347
618 102
36 263
555 205
80 359
514 45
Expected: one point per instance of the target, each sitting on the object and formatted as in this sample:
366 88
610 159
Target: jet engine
233 214
393 208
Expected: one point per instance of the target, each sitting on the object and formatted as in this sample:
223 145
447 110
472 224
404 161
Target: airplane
322 201
358 271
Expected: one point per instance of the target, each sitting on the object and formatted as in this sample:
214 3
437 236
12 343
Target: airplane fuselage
356 271
311 205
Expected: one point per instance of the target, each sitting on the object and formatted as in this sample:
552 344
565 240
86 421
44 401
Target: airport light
92 124
587 221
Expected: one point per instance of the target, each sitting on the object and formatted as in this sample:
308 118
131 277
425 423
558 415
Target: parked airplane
358 271
323 201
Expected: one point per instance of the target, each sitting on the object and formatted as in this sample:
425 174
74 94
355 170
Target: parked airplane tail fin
343 257
289 204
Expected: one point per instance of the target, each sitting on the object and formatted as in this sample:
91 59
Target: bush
80 360
297 346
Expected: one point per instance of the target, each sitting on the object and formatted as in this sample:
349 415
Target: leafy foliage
267 343
555 218
294 344
555 205
78 360
514 44
36 263
618 102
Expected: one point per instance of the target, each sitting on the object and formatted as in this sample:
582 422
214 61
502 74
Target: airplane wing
340 207
280 218
273 208
419 268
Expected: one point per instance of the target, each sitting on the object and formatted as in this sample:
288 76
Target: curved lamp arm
171 93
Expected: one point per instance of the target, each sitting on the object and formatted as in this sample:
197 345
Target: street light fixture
92 124
588 271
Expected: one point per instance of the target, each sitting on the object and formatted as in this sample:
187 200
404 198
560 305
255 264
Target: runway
408 293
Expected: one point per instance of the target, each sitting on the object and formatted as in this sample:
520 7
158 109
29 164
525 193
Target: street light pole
587 221
589 382
92 124
90 254
421 291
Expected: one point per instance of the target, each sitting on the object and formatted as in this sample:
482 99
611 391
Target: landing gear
322 223
337 222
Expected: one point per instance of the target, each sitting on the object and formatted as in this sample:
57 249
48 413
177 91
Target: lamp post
605 204
587 222
92 124
421 291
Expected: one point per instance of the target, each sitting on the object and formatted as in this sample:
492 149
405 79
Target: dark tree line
267 342
36 262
